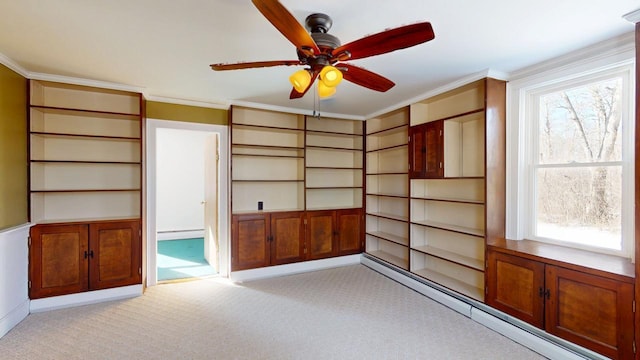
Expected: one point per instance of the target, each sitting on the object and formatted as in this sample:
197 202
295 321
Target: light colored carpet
344 313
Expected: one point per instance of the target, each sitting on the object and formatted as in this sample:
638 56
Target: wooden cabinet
426 151
264 239
333 233
590 310
77 257
294 168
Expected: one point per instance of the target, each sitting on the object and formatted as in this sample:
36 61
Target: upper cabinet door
417 152
433 143
425 151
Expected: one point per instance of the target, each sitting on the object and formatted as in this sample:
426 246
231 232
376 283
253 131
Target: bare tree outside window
579 167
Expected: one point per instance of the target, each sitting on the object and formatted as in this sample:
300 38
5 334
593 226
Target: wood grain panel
320 234
115 250
349 228
249 248
287 237
57 263
516 286
591 311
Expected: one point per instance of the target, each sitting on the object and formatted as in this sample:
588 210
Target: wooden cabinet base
586 309
72 258
266 239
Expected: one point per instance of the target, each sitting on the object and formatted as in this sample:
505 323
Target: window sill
609 266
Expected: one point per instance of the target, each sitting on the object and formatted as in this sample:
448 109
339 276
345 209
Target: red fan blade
387 41
296 95
282 19
254 64
366 78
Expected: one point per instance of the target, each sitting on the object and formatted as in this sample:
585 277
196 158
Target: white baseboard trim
179 234
522 333
295 268
449 301
85 298
13 318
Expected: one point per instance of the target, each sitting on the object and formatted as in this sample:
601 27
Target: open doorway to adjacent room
187 214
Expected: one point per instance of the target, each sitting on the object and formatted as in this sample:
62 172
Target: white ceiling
164 47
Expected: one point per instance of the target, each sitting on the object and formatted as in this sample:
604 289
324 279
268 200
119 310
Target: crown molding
297 110
633 16
4 60
84 82
441 89
187 102
622 47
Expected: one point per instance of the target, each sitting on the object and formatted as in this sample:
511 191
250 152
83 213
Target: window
579 161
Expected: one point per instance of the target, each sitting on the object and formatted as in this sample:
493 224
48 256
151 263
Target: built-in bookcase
84 153
334 162
268 152
449 209
387 184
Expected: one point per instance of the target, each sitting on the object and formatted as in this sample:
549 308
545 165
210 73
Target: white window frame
616 57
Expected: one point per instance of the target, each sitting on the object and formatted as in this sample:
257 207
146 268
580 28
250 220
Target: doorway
187 215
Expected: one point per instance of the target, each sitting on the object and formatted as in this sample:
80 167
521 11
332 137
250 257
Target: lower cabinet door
516 286
249 241
591 311
349 231
287 237
320 234
115 254
58 260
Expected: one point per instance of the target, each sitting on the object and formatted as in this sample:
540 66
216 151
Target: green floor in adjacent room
181 259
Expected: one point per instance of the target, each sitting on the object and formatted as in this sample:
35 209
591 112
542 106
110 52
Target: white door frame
150 203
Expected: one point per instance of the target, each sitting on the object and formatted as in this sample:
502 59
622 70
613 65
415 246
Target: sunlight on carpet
183 258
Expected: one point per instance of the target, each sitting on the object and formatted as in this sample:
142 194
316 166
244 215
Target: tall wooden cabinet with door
457 177
85 188
296 187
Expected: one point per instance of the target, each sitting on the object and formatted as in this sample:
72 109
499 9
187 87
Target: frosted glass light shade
300 80
330 76
325 91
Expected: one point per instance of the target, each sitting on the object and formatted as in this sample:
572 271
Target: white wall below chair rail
14 276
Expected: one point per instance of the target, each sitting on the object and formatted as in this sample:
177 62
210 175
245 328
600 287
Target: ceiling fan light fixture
300 80
330 76
325 91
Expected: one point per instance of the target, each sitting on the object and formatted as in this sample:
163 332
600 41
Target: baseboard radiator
523 333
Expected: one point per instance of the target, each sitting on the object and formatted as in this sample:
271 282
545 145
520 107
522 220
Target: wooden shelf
392 147
267 128
93 137
389 216
476 264
451 283
36 191
392 259
450 227
333 148
451 200
390 237
55 109
388 195
390 131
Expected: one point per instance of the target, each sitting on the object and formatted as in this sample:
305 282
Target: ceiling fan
320 51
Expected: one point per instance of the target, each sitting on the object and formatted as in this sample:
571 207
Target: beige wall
13 149
194 114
